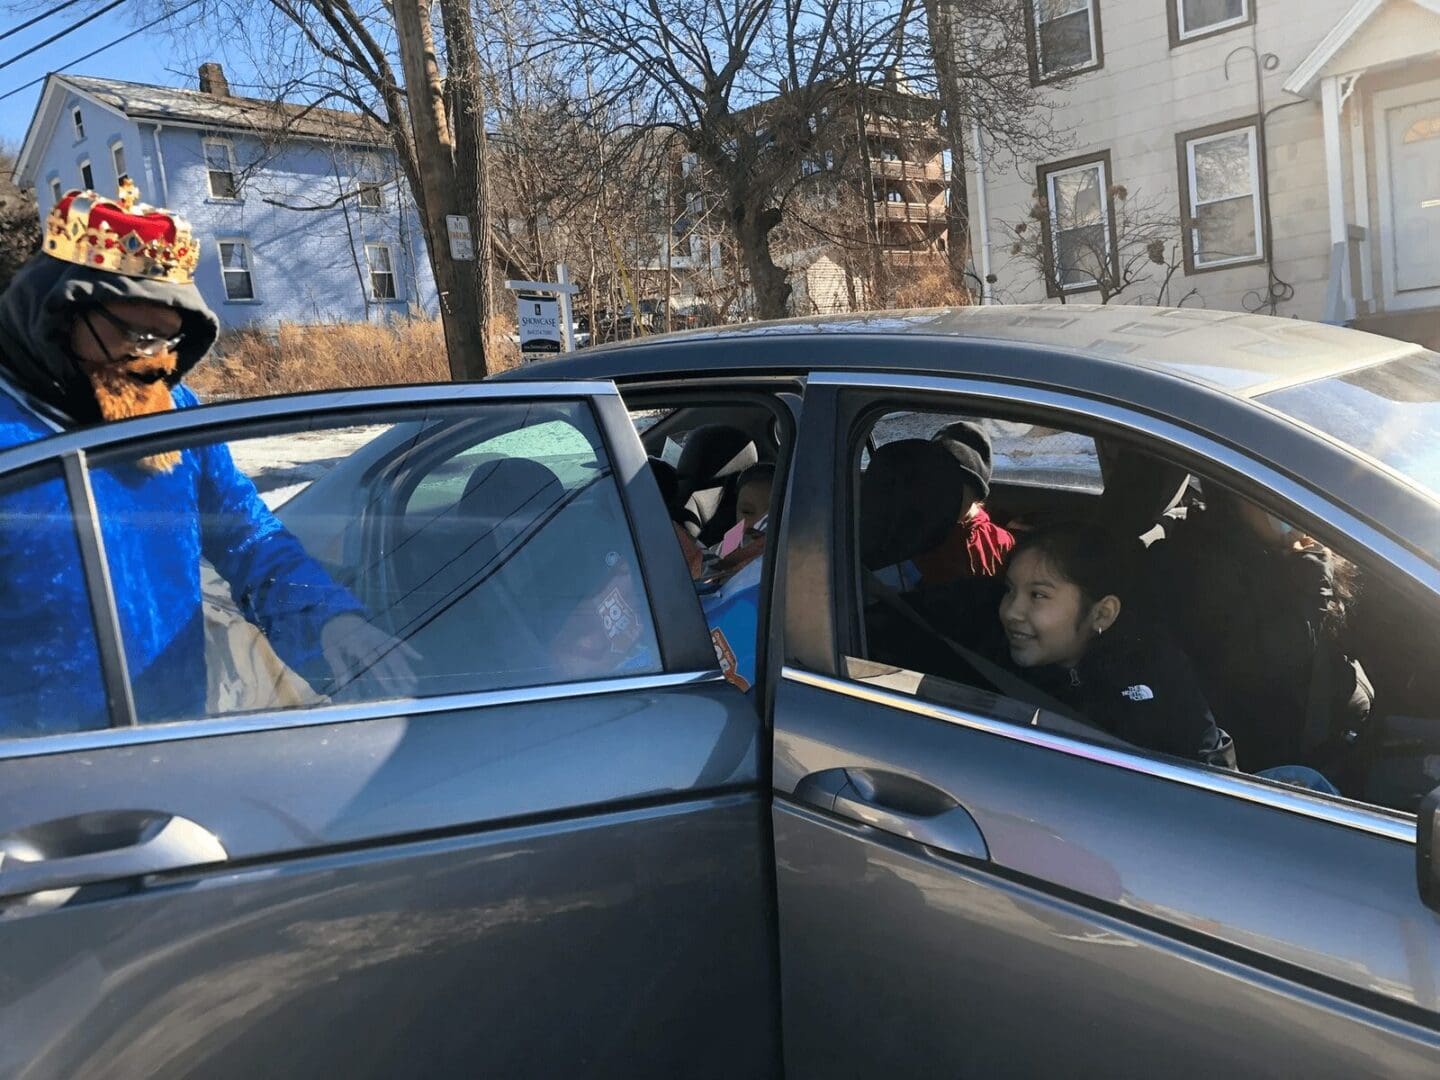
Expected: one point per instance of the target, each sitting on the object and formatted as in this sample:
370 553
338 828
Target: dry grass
250 363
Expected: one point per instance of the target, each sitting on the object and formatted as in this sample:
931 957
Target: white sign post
546 316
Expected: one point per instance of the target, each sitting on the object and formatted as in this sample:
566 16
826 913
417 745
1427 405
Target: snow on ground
282 466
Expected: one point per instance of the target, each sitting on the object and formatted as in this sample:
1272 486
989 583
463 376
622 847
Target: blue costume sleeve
275 582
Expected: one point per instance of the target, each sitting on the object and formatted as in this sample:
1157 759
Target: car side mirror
1427 850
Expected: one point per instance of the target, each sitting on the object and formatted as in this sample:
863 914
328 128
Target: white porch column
1340 305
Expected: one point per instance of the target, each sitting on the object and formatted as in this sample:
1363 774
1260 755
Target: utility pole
452 178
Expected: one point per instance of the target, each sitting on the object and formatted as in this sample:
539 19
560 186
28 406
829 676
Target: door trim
1387 825
320 715
1381 103
316 405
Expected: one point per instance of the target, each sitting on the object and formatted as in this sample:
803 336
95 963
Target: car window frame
686 655
839 406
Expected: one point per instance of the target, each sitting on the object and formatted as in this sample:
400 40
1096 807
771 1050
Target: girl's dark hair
1092 558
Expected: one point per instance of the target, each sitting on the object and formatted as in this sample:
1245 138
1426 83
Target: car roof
1232 352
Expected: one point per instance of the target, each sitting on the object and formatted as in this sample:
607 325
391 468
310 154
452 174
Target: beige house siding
1145 95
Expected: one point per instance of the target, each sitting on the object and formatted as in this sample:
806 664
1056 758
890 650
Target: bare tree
980 66
744 83
341 53
1105 243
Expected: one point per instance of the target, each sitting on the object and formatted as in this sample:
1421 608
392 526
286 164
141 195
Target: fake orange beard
137 386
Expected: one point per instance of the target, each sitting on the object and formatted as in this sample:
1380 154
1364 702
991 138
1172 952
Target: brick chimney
212 80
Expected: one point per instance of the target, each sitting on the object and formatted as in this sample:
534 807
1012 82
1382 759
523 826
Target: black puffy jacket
1138 686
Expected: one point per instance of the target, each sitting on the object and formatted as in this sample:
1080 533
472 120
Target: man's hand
352 648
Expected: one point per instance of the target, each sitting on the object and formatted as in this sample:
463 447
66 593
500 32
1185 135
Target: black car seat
710 464
910 497
1139 491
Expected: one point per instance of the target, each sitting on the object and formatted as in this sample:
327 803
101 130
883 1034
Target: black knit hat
970 446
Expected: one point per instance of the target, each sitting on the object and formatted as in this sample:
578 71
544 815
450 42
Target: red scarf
975 547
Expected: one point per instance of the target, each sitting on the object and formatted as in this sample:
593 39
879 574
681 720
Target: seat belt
1006 682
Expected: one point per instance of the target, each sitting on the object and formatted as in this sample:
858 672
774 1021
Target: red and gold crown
121 235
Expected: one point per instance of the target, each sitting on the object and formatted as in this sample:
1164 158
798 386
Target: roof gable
1356 38
42 124
193 108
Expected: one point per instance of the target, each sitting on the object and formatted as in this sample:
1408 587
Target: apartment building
1275 156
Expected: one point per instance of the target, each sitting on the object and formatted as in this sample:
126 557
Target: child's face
753 502
1045 618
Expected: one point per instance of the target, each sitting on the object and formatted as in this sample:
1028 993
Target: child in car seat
1073 633
730 595
975 546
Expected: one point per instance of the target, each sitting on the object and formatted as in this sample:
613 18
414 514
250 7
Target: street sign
539 324
462 246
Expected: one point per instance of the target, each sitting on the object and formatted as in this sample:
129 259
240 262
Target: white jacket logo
1139 692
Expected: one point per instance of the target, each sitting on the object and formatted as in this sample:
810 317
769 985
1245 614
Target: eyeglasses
140 342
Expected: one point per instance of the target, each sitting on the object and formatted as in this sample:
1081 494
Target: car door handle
144 842
899 805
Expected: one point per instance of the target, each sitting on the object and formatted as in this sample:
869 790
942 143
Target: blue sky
151 57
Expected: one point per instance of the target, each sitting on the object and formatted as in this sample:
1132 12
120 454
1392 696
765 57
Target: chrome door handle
952 830
160 842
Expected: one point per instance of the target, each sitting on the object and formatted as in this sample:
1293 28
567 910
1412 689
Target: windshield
1390 412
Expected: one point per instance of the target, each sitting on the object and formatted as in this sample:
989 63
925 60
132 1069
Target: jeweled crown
122 235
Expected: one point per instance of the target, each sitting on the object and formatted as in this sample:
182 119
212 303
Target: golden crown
121 235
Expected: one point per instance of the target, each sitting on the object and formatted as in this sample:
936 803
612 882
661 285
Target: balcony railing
908 170
909 211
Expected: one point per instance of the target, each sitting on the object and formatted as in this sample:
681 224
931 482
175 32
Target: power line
63 33
39 18
96 52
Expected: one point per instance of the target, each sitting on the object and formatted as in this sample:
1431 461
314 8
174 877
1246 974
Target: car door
537 847
967 890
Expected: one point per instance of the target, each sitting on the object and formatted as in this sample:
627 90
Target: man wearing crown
102 324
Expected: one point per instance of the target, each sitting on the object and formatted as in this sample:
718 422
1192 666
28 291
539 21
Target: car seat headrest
713 453
506 487
1139 490
910 497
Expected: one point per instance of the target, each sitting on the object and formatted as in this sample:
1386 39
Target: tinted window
52 680
450 552
1390 412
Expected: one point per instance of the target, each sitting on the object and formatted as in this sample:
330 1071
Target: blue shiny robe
157 527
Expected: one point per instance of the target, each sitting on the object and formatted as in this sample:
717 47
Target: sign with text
539 324
462 246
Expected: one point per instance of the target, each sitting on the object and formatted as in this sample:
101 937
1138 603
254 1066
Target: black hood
36 313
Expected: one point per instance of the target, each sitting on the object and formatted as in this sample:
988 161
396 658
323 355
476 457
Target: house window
1220 186
1064 37
235 268
382 271
56 193
87 175
79 121
372 197
1190 19
1080 245
117 155
220 164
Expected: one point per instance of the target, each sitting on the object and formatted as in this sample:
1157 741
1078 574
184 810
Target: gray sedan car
629 818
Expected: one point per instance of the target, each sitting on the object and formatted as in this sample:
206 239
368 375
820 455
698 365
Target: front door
1411 134
437 778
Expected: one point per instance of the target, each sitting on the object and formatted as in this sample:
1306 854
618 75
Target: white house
1294 145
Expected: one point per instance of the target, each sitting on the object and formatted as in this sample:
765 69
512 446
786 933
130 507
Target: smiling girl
1072 625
